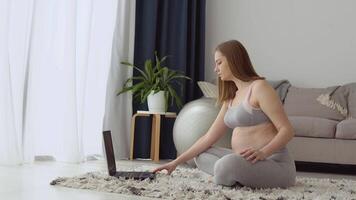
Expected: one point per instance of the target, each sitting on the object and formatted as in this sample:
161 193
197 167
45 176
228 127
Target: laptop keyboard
135 175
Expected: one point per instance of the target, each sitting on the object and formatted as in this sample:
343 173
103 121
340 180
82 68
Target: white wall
312 43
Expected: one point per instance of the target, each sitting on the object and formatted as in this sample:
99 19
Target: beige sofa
324 120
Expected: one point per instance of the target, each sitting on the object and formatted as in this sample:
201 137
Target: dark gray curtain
175 28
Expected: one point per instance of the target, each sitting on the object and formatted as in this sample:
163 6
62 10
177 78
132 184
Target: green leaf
132 78
146 93
179 77
166 97
149 70
138 87
127 63
158 63
163 59
138 69
165 74
176 97
142 94
125 89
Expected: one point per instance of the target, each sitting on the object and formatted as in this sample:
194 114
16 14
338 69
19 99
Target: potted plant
155 84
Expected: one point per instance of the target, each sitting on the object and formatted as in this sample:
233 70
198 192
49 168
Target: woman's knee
225 170
205 162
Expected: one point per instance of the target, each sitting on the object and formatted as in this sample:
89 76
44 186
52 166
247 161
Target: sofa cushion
346 129
351 100
313 126
303 102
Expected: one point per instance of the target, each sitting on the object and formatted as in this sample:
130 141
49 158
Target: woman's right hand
170 167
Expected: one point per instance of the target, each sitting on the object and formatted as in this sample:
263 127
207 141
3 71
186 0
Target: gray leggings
228 168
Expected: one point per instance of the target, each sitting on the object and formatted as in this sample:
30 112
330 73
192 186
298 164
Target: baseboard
325 167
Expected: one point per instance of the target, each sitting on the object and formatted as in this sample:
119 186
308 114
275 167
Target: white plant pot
156 102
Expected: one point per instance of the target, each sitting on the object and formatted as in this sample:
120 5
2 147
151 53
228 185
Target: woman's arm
269 101
217 129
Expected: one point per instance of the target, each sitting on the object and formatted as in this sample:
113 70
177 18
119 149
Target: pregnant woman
261 130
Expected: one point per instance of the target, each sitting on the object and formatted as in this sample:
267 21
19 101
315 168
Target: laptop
110 158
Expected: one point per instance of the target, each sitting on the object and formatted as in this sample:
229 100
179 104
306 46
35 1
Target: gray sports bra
244 114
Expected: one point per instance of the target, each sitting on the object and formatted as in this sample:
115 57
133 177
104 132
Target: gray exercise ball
193 121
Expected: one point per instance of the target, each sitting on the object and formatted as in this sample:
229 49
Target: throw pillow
342 99
209 90
335 100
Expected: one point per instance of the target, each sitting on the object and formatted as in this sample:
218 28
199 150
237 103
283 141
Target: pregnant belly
252 137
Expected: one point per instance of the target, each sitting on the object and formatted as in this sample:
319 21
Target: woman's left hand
253 155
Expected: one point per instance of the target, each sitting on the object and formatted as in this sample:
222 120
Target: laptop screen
109 150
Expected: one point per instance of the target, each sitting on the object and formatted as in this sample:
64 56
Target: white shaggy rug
186 183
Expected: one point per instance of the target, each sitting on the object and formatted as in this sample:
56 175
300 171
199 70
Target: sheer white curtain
55 58
118 109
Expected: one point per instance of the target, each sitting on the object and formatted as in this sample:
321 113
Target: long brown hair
240 66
